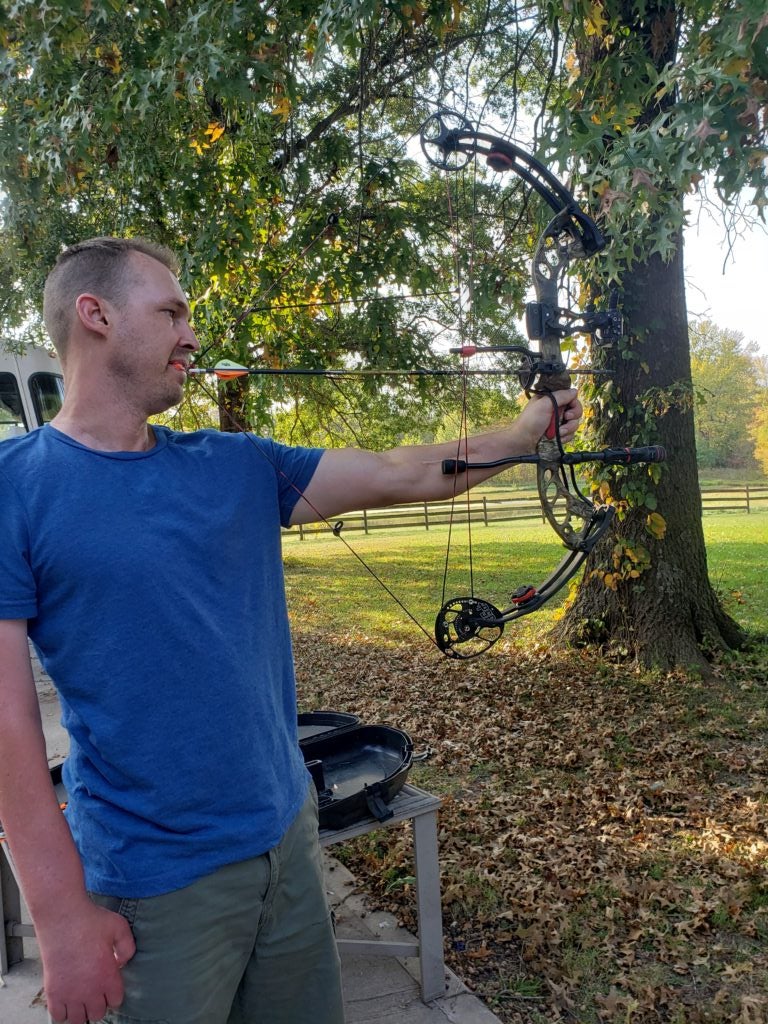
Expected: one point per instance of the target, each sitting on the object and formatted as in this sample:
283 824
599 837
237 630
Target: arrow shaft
297 371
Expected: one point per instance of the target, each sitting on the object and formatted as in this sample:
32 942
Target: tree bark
233 405
669 616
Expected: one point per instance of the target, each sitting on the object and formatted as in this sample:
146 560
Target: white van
31 390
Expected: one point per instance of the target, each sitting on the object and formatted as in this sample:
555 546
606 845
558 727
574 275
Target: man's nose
189 339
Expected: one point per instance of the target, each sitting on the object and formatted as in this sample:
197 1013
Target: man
184 884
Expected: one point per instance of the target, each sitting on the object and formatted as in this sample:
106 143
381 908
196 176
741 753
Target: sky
734 296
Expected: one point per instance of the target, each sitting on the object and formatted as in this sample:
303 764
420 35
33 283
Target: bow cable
463 431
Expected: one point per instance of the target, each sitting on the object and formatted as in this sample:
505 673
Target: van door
13 420
31 391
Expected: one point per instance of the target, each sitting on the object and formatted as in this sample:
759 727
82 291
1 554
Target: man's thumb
124 947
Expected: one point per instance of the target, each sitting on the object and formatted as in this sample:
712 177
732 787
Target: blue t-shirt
153 586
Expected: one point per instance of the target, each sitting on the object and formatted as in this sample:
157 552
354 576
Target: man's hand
82 957
536 416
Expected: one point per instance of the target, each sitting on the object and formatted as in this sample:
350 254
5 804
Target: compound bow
468 626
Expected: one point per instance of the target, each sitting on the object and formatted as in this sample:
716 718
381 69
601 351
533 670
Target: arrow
225 369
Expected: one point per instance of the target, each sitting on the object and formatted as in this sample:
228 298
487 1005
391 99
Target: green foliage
266 146
271 161
761 437
394 412
726 378
657 95
340 26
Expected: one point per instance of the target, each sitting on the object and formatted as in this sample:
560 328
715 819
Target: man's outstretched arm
350 479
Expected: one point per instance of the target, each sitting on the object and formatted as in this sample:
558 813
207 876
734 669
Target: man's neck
105 435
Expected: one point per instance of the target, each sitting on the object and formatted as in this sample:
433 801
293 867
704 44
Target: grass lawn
604 830
505 555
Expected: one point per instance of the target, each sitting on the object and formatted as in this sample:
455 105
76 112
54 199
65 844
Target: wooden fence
485 511
735 499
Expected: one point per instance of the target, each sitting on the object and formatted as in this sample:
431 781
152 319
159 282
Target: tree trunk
233 405
641 595
669 615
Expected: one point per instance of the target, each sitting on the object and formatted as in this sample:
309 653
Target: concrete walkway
376 989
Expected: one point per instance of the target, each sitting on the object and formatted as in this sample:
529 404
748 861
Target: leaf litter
603 832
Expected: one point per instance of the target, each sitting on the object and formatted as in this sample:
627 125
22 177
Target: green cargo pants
250 944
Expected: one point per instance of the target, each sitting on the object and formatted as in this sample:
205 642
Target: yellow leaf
596 21
656 525
110 57
214 130
571 62
736 66
282 108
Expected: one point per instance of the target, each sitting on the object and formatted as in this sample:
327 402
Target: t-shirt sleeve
18 598
294 468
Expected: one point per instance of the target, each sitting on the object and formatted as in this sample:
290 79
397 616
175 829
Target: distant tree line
730 380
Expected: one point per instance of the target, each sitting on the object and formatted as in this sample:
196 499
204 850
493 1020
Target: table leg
11 947
428 906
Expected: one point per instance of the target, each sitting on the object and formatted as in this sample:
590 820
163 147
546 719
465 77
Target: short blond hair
99 266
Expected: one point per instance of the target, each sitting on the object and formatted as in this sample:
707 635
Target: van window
47 390
12 421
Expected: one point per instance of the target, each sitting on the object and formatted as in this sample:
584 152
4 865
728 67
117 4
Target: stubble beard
152 392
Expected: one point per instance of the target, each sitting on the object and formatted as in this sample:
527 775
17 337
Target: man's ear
94 313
